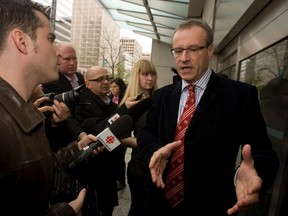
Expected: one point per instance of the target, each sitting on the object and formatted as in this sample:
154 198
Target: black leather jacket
26 163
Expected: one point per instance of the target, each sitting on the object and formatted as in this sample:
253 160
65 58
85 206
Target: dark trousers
139 180
121 165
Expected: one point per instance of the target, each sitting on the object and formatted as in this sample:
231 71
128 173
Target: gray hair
200 23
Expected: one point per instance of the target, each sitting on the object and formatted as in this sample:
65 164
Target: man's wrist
80 136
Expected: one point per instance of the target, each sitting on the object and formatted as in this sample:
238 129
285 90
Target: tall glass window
268 71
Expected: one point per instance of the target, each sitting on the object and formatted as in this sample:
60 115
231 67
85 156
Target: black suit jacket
227 117
62 84
66 131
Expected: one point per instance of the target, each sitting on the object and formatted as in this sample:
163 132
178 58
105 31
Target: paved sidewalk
124 194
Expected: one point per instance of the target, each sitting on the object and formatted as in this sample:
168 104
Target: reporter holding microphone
98 173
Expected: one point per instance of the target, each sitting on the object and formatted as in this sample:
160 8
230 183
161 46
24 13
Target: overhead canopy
152 18
157 19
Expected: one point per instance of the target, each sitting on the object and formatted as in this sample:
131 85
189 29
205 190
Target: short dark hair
20 14
200 23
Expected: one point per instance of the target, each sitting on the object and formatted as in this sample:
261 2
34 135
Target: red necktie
174 186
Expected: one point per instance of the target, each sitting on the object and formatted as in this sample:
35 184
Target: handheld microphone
138 109
119 129
135 111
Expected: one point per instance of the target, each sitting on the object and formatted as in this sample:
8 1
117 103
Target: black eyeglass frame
191 50
101 79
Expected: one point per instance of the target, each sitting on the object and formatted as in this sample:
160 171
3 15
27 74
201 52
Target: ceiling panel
157 19
170 8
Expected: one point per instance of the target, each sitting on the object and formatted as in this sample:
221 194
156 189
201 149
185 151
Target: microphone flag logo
108 139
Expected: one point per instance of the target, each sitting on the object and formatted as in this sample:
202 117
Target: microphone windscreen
138 109
122 127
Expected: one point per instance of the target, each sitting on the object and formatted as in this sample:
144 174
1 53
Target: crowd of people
41 134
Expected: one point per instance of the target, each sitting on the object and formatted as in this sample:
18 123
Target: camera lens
70 98
49 102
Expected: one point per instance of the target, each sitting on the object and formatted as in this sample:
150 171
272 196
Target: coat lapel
212 92
172 108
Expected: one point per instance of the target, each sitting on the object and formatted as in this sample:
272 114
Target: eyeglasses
191 50
101 79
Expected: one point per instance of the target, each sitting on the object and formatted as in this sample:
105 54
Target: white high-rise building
95 36
133 47
146 56
90 29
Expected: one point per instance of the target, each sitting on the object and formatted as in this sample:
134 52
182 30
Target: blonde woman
143 80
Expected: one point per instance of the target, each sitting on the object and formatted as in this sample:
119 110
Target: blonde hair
133 87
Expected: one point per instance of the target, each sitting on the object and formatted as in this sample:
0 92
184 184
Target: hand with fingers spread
248 183
159 160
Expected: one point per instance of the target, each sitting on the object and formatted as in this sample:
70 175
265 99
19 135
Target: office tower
62 14
133 47
95 36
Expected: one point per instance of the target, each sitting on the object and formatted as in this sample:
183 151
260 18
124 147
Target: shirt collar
201 83
74 78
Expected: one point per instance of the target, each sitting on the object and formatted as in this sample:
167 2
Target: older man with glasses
193 134
100 175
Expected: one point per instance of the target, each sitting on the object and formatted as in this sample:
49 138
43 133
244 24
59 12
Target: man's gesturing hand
159 160
248 183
